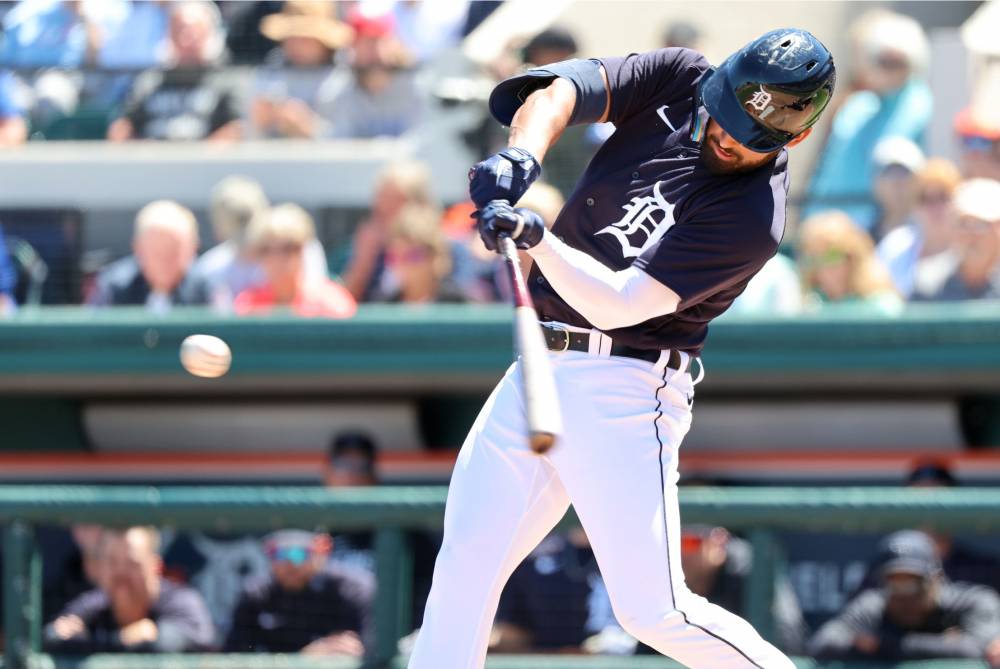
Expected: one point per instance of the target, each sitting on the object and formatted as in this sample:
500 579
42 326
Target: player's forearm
540 121
606 298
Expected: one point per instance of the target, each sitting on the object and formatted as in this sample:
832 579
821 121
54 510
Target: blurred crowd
923 593
881 222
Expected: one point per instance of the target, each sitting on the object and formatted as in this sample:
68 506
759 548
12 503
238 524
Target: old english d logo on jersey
646 219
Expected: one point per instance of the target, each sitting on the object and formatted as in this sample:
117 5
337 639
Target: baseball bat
540 398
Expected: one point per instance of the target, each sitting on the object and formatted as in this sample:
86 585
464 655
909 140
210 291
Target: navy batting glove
524 226
503 176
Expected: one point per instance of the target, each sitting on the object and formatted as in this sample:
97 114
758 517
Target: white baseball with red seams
205 356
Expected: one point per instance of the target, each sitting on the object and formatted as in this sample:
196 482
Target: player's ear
798 140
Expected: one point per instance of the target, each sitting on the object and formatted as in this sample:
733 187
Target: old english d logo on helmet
771 90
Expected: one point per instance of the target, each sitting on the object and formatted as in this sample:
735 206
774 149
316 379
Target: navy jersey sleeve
717 245
637 79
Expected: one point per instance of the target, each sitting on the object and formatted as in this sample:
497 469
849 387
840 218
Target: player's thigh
618 458
500 490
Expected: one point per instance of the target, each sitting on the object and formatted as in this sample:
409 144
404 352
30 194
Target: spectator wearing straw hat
286 91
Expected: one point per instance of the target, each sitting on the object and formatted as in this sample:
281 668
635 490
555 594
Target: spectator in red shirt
276 239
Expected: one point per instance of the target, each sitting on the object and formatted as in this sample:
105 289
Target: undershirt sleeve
606 298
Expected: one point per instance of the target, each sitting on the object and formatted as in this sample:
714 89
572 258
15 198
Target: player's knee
649 624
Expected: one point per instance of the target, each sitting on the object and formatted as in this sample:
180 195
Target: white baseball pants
617 463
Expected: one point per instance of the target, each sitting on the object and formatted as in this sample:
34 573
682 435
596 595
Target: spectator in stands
379 97
478 271
775 290
556 602
306 604
138 37
975 269
351 461
157 273
13 127
914 253
549 46
424 28
400 184
838 264
228 267
190 100
277 240
897 161
418 260
54 33
895 101
978 131
8 280
959 561
286 93
133 609
682 34
717 567
916 613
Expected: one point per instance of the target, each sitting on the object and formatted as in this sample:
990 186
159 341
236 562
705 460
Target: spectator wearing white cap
897 161
895 100
975 271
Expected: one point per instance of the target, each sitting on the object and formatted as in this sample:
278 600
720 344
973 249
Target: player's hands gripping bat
505 229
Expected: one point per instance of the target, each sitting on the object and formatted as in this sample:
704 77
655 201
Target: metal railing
760 512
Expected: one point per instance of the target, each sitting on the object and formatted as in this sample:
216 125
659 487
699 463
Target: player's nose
725 141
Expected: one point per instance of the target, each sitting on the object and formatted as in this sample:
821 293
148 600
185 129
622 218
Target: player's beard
734 165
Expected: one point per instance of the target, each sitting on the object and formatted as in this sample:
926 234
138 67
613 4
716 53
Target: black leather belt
560 339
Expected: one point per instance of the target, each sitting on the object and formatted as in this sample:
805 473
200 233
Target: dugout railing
757 512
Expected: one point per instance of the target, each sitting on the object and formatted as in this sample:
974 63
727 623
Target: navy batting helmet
772 90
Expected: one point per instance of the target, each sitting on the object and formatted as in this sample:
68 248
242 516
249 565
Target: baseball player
681 206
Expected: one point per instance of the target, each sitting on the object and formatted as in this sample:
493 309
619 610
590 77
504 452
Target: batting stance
676 212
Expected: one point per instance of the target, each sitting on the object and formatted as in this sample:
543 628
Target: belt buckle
565 331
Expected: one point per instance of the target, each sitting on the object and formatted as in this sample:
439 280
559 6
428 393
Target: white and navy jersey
647 200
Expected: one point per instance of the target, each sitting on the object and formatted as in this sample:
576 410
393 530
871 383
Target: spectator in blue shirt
13 129
895 101
8 278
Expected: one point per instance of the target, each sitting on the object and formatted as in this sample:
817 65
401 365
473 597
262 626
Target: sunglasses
409 256
279 249
827 258
935 199
972 224
891 62
908 588
978 144
691 543
296 555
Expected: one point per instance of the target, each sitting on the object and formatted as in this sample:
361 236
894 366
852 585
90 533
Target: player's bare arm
540 121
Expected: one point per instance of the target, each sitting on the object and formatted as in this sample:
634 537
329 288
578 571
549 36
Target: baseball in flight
205 356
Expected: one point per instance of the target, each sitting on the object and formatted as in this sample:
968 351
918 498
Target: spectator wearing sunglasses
975 258
916 253
914 613
418 259
894 100
838 265
276 239
978 133
306 604
717 566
